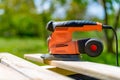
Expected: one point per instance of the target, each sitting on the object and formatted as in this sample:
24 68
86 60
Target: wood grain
7 73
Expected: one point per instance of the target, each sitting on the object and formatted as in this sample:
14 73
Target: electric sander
62 47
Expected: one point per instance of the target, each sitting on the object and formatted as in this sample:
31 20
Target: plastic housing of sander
62 47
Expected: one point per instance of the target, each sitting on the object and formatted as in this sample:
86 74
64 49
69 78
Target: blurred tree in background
112 19
19 18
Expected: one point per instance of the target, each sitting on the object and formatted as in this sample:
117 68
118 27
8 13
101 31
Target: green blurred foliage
21 46
20 19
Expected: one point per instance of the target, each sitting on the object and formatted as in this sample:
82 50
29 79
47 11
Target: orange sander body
61 46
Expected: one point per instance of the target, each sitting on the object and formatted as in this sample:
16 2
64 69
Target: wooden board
28 69
7 73
100 71
34 57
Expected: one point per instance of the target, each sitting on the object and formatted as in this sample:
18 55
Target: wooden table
15 68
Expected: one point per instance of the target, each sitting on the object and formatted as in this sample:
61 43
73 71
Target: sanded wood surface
7 73
30 70
100 71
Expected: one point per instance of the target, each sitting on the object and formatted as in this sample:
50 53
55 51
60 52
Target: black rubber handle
73 23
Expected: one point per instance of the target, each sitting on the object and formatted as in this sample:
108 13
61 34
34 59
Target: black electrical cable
109 27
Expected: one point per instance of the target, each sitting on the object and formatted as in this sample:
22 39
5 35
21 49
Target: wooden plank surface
28 69
100 71
7 73
34 57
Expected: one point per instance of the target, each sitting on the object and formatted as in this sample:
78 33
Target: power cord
116 38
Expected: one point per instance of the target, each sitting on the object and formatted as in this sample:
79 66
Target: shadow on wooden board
82 77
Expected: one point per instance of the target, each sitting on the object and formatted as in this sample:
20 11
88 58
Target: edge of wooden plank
29 69
34 57
37 58
96 70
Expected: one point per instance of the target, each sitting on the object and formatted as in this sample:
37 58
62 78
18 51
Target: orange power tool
61 46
